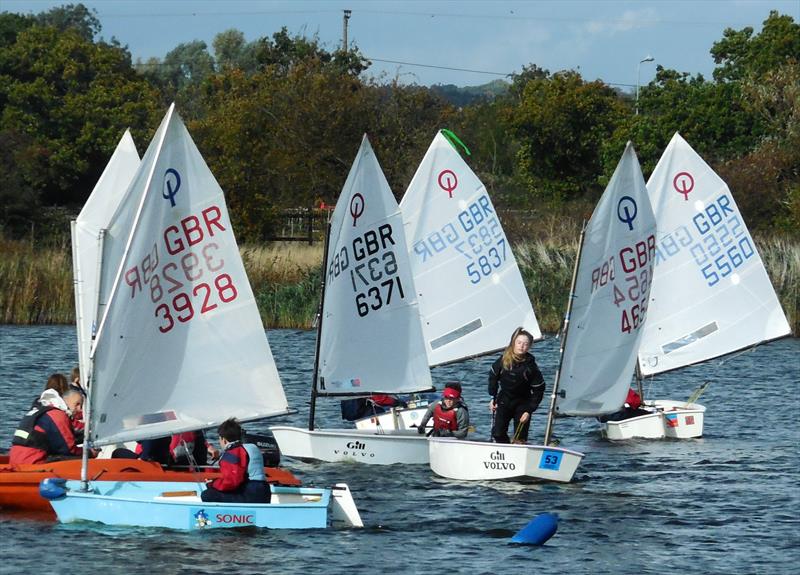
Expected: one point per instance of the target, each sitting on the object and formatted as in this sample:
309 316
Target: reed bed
37 282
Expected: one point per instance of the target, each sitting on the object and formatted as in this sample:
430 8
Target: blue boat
175 505
163 363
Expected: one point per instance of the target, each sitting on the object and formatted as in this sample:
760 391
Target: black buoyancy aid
26 434
444 418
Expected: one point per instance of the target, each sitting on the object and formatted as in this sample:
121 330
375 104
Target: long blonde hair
509 357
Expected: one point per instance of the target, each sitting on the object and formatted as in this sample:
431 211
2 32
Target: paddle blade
538 530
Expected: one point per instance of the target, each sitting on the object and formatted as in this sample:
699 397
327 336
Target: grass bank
37 282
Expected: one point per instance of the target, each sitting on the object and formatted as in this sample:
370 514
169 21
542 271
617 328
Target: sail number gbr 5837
372 268
192 281
631 291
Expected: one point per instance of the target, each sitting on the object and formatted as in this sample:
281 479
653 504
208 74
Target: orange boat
19 484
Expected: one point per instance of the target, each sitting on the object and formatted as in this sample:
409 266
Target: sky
466 43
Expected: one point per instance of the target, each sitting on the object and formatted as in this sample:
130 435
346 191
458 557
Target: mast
564 330
639 381
312 408
89 375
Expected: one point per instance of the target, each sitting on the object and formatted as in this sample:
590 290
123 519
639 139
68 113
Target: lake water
726 503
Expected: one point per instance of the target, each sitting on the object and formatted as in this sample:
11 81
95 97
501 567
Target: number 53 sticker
550 460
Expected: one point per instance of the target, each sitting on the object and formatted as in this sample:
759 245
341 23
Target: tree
740 54
561 124
66 102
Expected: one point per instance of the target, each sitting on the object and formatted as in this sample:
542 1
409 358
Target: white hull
352 445
395 418
480 460
681 420
672 419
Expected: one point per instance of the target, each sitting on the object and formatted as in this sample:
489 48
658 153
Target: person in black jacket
517 387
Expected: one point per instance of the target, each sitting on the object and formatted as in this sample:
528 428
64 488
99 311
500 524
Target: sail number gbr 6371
632 289
372 268
192 280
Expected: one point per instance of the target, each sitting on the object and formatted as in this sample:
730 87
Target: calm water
726 503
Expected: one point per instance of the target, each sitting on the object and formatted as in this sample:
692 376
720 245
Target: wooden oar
178 493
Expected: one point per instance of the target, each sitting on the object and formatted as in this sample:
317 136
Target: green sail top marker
453 139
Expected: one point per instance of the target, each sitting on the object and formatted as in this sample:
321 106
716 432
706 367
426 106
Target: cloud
629 20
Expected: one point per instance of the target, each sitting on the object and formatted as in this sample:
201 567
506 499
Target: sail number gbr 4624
372 269
631 291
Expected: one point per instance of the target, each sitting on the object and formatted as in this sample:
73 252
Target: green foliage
279 120
741 55
65 103
561 124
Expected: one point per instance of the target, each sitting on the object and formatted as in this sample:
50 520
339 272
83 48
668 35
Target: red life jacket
444 418
633 399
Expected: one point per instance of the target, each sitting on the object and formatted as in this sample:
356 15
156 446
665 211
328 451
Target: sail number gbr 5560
373 269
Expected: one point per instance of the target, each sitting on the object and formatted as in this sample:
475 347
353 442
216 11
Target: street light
638 69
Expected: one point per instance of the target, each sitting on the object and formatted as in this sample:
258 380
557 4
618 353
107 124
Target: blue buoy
53 487
538 530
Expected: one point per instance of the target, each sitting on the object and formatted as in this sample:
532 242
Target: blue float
538 530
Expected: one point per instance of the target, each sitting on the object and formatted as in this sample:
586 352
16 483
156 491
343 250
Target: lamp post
638 69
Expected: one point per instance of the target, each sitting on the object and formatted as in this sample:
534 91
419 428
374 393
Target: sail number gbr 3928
371 265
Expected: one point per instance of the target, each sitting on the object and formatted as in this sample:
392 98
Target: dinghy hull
178 506
19 484
671 419
352 445
681 420
481 460
395 418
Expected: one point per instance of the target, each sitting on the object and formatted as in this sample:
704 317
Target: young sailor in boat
45 433
631 408
517 387
450 415
241 467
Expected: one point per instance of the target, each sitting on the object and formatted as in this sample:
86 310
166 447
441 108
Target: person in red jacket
450 415
631 408
45 433
241 468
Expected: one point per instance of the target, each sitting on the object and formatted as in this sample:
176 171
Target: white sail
87 244
371 338
471 294
611 291
711 294
181 345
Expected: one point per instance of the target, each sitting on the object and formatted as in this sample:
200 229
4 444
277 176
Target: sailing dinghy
180 345
469 287
711 294
369 337
91 238
603 330
598 352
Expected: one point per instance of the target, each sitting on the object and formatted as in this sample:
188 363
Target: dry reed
37 282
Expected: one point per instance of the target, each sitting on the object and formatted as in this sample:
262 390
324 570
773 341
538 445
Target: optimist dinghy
176 505
369 337
469 288
598 354
711 295
180 345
